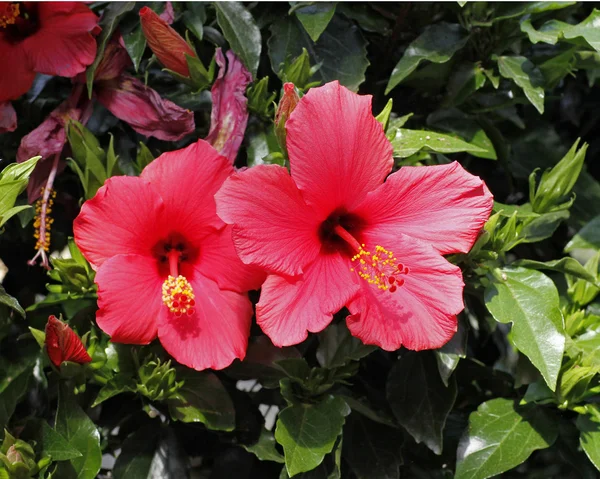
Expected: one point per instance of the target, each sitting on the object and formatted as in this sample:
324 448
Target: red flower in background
165 263
229 115
62 344
334 234
54 38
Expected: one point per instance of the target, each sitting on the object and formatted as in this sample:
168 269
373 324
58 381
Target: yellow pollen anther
42 223
178 296
379 269
10 14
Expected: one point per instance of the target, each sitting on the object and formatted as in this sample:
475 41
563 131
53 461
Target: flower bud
168 46
286 106
62 344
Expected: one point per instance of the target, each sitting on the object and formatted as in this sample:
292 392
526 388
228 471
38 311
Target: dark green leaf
587 237
341 50
529 300
203 398
135 43
589 427
51 443
240 30
419 399
506 10
11 302
565 265
137 454
118 384
75 425
500 437
527 76
466 80
194 18
14 379
371 449
308 432
314 16
437 44
264 449
450 353
542 227
111 17
338 347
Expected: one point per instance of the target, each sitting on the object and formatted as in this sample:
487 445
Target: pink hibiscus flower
334 234
165 263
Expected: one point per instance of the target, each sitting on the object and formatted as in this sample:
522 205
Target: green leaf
536 36
589 427
51 443
467 79
337 347
542 227
13 181
11 302
565 265
12 212
408 142
111 17
587 237
450 354
501 437
14 379
437 44
118 384
135 43
81 433
527 76
506 10
137 453
242 33
384 115
314 16
341 50
264 449
203 398
419 399
144 156
529 300
308 432
372 450
194 18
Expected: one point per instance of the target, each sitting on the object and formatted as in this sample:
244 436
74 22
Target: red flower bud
286 106
168 46
62 344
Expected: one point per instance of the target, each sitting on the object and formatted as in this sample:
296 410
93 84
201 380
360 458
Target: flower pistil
9 15
177 292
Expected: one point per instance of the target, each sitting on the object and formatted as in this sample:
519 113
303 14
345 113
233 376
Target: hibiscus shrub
309 240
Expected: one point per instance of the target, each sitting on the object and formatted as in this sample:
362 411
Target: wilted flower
8 117
168 46
286 106
54 38
334 234
229 115
165 263
62 344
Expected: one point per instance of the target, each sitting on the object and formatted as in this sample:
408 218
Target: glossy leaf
13 181
137 454
565 265
589 427
527 76
308 432
11 302
14 379
529 300
240 30
338 347
587 237
81 433
449 355
135 43
203 398
500 437
437 44
264 449
314 16
408 142
51 443
341 50
419 399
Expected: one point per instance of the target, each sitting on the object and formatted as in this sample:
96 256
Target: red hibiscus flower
165 263
334 234
54 38
62 344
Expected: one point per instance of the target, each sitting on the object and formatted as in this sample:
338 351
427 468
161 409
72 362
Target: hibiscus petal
338 150
420 314
8 117
272 226
215 335
129 298
123 218
64 44
187 181
443 205
143 108
21 76
219 262
291 307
